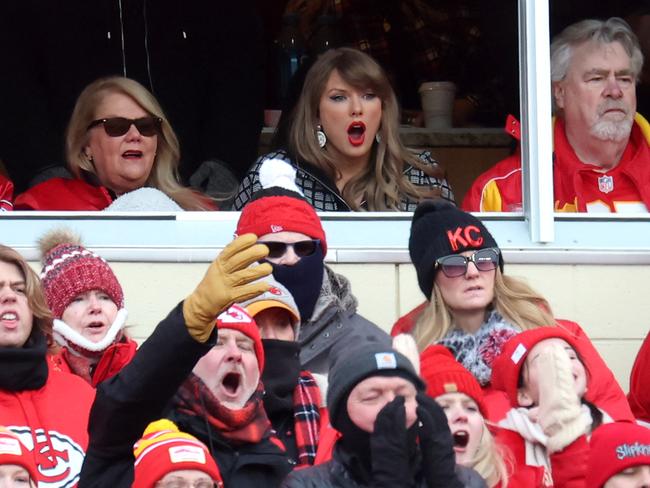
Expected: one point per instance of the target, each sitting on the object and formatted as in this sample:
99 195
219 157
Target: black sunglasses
456 265
301 248
118 126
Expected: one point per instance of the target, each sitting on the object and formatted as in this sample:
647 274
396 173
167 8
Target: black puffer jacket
322 193
336 474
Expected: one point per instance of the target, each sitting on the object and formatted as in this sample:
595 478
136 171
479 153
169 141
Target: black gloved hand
436 444
389 448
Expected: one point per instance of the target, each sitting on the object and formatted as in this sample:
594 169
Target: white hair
607 31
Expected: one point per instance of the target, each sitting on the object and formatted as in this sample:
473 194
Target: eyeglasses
182 483
301 248
118 126
456 265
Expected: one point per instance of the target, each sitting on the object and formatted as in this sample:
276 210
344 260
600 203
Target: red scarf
95 367
249 424
79 365
306 415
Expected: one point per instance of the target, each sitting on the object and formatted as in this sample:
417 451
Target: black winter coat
337 474
261 465
126 403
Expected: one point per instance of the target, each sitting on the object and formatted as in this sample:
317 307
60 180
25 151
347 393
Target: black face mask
280 376
303 280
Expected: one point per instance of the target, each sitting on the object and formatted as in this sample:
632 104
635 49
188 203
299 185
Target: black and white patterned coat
323 195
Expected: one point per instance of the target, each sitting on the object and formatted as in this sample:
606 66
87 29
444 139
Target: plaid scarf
306 414
249 424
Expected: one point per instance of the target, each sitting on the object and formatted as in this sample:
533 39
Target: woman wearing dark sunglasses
473 308
117 141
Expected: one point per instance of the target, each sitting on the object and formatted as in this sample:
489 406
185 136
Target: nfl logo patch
605 183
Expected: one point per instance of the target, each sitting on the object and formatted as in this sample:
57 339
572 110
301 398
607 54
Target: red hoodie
52 422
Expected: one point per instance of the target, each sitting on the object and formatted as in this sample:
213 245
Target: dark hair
596 414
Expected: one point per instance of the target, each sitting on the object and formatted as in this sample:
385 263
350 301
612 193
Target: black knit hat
357 358
439 229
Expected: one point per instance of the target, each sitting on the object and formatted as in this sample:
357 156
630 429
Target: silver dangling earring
320 135
378 137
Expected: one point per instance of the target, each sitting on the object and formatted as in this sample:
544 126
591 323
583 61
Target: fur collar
335 293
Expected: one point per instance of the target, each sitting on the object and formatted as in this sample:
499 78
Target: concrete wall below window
608 301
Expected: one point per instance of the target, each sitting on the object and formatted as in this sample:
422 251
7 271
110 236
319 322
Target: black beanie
439 229
357 358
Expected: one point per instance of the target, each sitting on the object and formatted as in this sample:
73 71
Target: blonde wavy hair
164 174
514 300
382 184
33 291
492 461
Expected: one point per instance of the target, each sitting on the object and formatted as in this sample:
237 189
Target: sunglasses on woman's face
301 248
118 126
456 265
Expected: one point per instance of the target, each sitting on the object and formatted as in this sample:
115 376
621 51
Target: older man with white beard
601 155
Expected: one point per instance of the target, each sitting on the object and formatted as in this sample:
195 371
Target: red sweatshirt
52 422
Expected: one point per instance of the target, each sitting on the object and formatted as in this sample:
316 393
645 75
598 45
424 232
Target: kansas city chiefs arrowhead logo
58 457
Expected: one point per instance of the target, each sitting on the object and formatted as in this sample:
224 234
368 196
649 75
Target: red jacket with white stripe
578 187
6 194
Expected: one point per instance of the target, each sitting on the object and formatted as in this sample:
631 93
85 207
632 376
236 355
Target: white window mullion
537 137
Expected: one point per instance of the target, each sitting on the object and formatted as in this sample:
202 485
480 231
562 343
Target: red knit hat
507 365
279 206
163 449
443 374
236 318
615 447
70 269
12 451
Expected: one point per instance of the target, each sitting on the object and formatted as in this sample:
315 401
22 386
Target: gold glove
228 280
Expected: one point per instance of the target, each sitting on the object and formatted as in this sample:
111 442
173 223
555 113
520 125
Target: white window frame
537 237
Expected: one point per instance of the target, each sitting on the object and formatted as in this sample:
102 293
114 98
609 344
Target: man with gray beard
601 155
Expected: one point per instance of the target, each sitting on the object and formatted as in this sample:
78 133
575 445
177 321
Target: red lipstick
357 133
